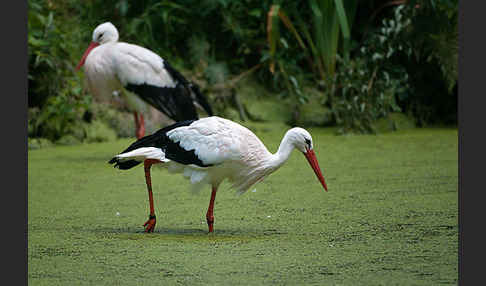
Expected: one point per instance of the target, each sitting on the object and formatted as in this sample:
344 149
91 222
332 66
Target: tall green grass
390 218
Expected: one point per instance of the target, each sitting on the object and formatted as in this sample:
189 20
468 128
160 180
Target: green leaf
256 13
273 32
291 27
50 19
342 19
37 42
294 81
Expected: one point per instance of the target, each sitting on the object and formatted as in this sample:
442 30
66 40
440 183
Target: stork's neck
283 152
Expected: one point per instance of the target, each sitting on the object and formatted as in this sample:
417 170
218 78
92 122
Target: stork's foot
150 224
210 221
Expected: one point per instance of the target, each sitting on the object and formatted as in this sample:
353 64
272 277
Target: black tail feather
175 102
201 99
123 165
152 140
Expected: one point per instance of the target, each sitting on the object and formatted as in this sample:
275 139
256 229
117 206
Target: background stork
142 77
212 149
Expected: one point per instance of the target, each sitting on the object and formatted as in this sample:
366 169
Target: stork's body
142 77
210 150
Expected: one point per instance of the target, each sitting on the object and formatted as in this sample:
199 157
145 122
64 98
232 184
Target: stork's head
302 140
104 33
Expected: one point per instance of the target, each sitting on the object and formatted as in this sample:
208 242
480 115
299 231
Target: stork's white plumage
210 150
142 77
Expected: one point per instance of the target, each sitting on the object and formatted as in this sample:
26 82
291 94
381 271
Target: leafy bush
366 86
37 143
364 94
99 131
433 61
60 115
55 96
120 122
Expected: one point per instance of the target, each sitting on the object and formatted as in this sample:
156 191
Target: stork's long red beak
311 158
86 53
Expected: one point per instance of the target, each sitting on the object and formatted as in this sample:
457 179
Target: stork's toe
150 224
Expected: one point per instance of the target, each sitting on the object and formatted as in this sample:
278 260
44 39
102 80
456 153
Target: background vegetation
354 65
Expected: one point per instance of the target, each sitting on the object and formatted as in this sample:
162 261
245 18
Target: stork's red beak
86 53
311 157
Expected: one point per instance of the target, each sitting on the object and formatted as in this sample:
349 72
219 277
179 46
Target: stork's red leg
139 125
150 223
141 131
210 213
135 116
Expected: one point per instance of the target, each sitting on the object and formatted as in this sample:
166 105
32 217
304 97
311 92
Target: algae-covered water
390 217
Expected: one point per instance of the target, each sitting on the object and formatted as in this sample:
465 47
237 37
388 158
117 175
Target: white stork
141 76
212 149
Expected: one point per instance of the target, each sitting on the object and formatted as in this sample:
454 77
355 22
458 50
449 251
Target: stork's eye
308 142
101 35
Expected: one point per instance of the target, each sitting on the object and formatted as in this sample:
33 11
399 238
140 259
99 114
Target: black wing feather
176 102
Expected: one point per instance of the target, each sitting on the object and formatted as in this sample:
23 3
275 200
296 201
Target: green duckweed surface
390 217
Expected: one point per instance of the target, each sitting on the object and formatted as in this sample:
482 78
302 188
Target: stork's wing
147 75
205 142
213 140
